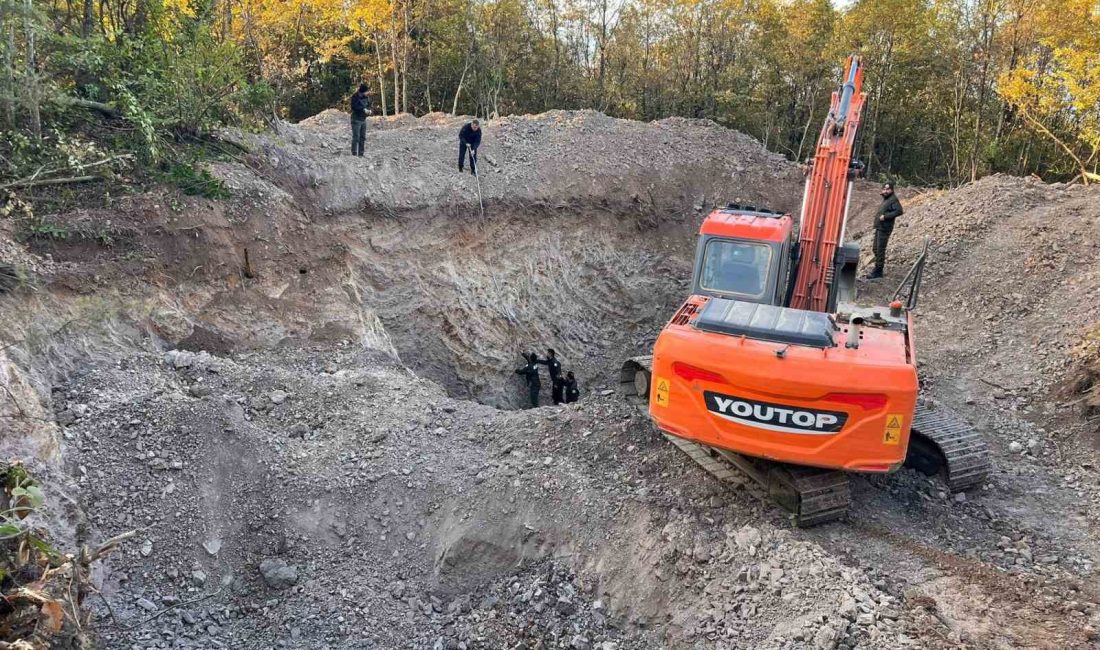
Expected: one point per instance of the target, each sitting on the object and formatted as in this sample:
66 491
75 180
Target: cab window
736 267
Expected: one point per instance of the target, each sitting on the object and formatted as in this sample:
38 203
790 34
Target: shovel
477 178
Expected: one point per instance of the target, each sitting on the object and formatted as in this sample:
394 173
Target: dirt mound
1012 282
557 159
578 252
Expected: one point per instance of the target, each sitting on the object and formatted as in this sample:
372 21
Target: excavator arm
828 191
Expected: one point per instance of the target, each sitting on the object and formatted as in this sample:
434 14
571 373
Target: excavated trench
461 300
457 300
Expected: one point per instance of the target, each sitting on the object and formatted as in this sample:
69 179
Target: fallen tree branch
87 557
11 396
165 610
1086 394
51 181
996 385
99 107
33 180
22 416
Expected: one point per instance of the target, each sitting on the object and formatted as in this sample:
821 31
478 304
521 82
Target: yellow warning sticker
660 398
892 434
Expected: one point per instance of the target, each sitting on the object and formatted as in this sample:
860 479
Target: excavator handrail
913 279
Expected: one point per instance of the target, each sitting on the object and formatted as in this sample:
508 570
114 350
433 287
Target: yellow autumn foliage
1057 89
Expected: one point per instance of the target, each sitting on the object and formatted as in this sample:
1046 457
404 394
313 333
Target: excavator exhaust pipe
853 333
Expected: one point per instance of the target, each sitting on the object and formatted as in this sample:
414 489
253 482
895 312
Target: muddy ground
321 447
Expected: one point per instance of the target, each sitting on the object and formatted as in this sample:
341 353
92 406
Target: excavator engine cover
767 323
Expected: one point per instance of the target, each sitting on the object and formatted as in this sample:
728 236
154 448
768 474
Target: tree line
957 88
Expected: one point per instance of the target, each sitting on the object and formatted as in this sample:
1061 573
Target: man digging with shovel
469 139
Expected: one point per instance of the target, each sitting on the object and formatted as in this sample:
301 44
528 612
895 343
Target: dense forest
957 88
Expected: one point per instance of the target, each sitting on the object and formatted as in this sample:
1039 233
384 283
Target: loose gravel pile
330 498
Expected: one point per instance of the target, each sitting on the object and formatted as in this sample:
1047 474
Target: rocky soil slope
319 449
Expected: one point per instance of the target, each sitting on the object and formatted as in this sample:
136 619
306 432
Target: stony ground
567 159
336 500
319 448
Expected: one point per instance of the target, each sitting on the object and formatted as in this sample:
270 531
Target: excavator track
634 377
709 459
813 496
942 442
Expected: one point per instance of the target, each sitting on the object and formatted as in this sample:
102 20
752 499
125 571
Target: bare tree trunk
989 27
405 60
461 80
87 19
879 91
960 93
381 74
7 60
396 67
428 70
428 78
557 57
1006 112
469 55
805 130
30 84
601 43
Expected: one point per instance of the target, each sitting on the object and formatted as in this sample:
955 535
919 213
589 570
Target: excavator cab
743 254
735 269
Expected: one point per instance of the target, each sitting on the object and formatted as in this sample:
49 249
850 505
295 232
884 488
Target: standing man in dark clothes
530 374
360 109
557 386
572 393
884 225
469 138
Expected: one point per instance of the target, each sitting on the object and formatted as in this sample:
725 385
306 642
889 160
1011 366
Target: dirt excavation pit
325 452
461 301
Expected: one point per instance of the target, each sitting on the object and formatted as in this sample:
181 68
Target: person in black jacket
469 138
572 393
884 225
360 109
557 385
530 374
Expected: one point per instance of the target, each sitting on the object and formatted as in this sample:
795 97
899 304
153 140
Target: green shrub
38 228
196 181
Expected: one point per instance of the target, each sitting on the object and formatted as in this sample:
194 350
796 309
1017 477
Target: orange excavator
771 366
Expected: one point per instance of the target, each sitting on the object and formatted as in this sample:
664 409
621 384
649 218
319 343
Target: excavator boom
828 190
